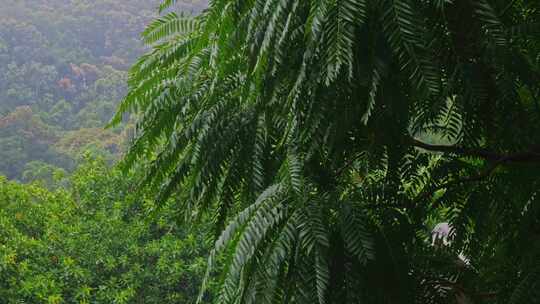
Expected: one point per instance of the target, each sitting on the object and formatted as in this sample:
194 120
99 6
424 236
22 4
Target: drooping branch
460 181
495 160
531 156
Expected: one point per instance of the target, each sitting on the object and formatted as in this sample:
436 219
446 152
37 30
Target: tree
53 54
48 175
25 137
89 241
299 126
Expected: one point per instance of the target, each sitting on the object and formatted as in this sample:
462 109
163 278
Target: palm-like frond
330 134
167 26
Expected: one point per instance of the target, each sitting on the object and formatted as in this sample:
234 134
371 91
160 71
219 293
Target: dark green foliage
301 127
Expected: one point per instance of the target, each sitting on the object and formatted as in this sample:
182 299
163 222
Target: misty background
63 70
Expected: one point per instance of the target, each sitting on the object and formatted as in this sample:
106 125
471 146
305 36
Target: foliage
57 68
92 242
23 137
298 126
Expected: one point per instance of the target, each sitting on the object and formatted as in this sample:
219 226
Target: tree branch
531 156
474 178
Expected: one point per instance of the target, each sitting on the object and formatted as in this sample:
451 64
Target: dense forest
275 151
64 67
77 233
95 241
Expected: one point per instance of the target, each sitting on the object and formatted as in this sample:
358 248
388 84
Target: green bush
94 242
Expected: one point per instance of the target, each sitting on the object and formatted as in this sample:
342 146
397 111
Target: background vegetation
76 231
64 69
94 240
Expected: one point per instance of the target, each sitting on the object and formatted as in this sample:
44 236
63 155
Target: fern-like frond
169 25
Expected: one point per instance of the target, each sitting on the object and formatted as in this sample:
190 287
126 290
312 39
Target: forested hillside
76 231
64 69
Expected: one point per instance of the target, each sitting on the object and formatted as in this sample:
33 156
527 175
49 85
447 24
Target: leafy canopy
91 243
327 137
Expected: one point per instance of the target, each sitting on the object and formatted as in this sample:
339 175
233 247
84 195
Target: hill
64 70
